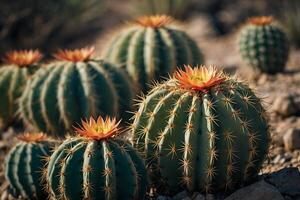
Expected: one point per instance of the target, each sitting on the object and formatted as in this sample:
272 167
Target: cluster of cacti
263 45
152 48
13 76
24 166
96 165
63 92
201 130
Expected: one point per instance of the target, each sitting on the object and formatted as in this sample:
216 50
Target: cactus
201 130
263 45
96 165
62 93
13 77
24 164
152 48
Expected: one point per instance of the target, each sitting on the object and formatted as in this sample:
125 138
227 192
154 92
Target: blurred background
49 25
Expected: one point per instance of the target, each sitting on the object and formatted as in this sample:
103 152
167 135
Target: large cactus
95 165
263 45
62 93
151 48
201 130
24 165
13 76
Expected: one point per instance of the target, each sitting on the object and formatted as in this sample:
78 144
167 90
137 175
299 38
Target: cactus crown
199 78
32 137
76 55
154 21
261 21
99 129
23 58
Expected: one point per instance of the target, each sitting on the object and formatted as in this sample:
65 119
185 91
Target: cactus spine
13 77
152 48
263 45
62 93
24 164
96 166
201 130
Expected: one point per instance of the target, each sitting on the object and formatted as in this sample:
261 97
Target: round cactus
25 163
13 77
63 92
96 165
263 45
151 48
201 130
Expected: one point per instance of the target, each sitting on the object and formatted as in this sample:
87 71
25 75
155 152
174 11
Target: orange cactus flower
199 78
76 55
23 58
99 129
261 21
32 137
154 21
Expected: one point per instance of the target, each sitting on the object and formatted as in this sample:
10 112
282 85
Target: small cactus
150 48
13 76
201 130
76 87
263 45
96 165
24 165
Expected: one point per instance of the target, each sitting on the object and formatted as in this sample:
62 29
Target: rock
291 139
163 198
258 191
287 181
210 197
182 195
199 197
285 106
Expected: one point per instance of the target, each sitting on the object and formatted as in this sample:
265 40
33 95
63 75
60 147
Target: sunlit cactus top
32 137
23 58
99 129
76 55
154 21
200 78
261 21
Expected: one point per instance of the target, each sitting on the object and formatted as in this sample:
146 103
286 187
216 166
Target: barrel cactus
201 130
96 165
13 76
150 48
76 87
25 163
263 45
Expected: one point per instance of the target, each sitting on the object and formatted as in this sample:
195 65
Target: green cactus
201 130
60 94
263 45
24 165
96 166
13 77
152 48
